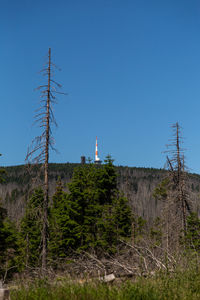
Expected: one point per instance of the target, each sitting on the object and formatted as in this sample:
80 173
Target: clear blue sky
131 68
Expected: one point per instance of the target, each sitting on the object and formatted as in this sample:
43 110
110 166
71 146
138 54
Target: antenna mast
97 159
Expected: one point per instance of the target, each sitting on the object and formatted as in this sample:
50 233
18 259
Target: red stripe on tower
97 159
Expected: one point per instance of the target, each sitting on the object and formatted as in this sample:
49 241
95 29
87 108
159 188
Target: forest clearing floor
183 285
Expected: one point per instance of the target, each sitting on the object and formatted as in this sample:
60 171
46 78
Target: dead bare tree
177 205
38 153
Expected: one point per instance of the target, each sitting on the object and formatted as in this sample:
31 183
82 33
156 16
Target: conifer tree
60 226
8 245
30 240
192 237
8 240
93 215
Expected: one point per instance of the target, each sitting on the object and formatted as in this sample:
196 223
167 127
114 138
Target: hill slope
137 184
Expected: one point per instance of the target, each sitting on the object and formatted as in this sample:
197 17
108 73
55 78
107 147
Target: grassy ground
180 285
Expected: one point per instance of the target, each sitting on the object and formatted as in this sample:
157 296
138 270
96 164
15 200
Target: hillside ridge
137 183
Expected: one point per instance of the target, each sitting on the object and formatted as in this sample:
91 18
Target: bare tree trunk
177 201
39 151
46 173
180 179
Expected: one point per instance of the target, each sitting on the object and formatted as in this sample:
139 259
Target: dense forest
137 184
95 213
92 215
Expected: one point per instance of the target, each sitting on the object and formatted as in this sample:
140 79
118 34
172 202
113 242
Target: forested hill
137 184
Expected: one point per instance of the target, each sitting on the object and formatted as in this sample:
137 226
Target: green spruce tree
30 242
192 237
62 227
8 245
93 215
